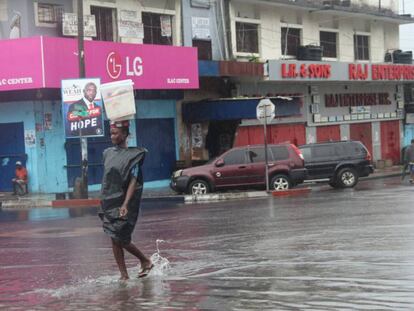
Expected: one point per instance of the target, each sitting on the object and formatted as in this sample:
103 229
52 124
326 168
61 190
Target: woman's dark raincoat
118 165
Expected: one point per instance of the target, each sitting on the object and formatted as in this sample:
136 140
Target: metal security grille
290 41
328 42
247 36
153 28
361 47
104 23
49 13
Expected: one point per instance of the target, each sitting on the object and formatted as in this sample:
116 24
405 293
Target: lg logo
114 66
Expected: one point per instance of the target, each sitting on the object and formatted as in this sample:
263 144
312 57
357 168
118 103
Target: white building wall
168 7
377 42
270 18
391 37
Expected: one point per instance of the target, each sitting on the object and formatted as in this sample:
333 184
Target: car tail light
298 152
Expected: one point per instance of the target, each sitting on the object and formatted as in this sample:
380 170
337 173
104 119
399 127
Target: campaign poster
82 108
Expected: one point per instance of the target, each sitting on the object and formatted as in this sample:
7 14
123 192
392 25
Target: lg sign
115 64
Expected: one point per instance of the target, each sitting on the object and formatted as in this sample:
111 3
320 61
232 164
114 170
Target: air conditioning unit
399 57
309 52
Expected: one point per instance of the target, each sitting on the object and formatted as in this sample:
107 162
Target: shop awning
42 62
236 109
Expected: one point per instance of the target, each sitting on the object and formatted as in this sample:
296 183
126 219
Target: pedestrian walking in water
409 159
121 191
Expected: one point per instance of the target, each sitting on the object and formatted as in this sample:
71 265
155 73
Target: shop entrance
390 141
220 137
363 133
158 137
328 133
11 150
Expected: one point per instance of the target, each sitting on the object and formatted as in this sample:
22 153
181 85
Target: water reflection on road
333 249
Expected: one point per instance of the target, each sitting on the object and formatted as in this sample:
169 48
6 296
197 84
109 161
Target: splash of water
161 264
90 284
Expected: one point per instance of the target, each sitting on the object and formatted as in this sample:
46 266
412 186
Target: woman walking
121 195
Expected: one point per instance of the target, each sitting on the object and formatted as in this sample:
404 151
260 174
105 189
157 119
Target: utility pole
83 140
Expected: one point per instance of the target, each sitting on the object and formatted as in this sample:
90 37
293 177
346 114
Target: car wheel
198 186
280 182
347 178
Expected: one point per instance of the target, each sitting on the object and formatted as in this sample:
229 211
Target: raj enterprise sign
115 64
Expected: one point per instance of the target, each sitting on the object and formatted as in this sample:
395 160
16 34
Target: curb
76 203
27 203
291 192
394 174
224 196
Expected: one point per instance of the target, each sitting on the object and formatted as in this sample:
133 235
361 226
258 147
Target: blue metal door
158 136
11 150
96 146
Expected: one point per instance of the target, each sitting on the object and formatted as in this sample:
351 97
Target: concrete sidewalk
7 200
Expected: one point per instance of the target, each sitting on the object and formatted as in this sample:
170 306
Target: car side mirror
219 162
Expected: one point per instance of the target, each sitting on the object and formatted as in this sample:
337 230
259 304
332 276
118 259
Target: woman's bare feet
146 267
124 278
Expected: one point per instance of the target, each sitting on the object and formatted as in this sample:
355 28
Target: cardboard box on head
118 98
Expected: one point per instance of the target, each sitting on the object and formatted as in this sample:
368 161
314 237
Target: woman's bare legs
145 262
120 259
118 250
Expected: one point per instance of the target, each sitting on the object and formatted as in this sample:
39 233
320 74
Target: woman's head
119 133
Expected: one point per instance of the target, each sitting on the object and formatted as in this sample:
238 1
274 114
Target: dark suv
342 162
241 167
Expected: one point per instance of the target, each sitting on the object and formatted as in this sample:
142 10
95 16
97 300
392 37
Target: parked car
243 167
341 162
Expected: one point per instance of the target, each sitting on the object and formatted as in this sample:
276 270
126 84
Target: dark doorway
11 150
220 136
158 137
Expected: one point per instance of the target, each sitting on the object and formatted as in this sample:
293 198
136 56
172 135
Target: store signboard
21 64
129 25
282 70
70 25
43 62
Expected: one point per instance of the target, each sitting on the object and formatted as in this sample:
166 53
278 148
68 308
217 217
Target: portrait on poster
82 108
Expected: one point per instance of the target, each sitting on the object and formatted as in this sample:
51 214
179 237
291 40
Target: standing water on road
333 249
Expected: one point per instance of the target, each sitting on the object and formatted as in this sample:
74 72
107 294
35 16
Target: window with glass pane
290 41
49 13
361 47
104 23
328 43
235 157
247 37
256 155
280 153
204 49
157 28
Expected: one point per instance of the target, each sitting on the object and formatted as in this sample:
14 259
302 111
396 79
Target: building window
247 37
328 43
104 18
157 28
48 15
361 47
290 41
204 49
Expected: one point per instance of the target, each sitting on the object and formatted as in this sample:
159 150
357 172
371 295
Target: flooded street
331 249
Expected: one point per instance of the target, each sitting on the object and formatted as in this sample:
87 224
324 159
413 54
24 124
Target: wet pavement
330 250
